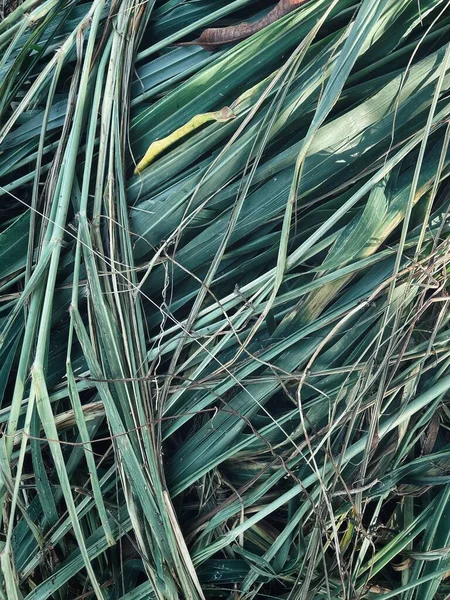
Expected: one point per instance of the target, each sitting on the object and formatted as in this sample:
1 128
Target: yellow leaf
159 146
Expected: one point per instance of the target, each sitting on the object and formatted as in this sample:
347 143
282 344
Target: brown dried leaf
217 36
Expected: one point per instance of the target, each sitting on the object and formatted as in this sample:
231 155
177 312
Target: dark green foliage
228 376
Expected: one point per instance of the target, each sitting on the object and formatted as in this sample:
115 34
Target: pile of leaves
224 300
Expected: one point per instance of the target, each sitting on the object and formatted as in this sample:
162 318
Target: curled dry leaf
216 36
378 589
405 564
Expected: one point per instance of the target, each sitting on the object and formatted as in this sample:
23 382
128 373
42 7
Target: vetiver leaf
227 375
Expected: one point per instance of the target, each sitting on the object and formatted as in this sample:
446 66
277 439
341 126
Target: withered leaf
217 36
